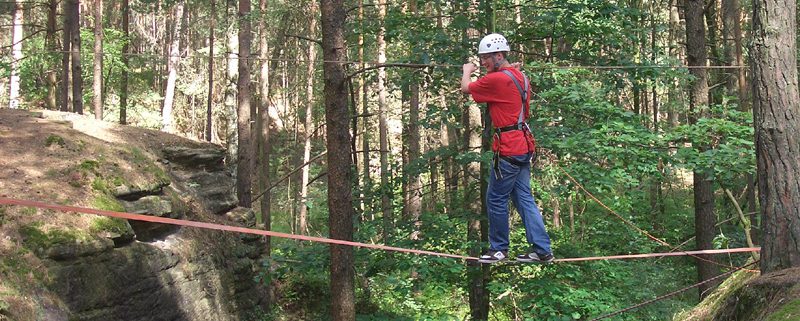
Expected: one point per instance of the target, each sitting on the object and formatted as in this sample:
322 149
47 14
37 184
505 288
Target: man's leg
523 200
497 195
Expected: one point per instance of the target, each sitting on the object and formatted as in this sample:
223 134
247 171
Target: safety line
673 293
214 226
640 230
649 255
221 227
234 56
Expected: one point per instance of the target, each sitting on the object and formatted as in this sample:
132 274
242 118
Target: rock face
773 296
168 273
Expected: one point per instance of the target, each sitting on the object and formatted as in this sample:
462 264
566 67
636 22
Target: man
505 89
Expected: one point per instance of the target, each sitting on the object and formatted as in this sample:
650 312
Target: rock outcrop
167 273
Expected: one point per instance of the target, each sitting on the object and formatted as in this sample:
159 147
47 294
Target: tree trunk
776 107
474 194
16 55
414 192
474 186
75 56
698 101
172 66
714 75
265 121
386 193
362 84
337 118
97 79
244 111
126 50
52 80
309 119
210 99
675 91
65 56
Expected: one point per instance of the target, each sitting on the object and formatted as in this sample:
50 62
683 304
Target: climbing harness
521 125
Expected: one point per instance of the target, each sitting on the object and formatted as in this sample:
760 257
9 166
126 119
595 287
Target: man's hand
468 68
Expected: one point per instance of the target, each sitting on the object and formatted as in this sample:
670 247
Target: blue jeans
515 182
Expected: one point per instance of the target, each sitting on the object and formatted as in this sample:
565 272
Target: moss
105 202
89 165
109 224
37 239
28 211
14 263
99 184
54 139
138 155
147 166
789 311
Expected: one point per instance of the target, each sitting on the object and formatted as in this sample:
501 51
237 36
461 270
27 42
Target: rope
670 294
254 57
220 227
213 226
629 223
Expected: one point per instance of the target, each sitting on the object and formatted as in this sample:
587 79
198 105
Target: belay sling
520 125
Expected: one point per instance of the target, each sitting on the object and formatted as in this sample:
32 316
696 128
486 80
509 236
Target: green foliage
54 139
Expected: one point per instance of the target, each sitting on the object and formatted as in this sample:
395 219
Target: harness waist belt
518 126
516 162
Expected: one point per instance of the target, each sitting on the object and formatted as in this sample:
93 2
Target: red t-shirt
499 91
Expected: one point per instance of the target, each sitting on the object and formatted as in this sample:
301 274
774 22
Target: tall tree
698 101
337 118
309 119
97 79
65 56
173 61
383 127
475 186
75 56
16 55
244 111
414 192
365 131
264 128
52 45
126 51
737 82
413 197
212 13
776 107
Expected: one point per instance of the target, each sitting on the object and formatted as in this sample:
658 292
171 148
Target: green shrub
54 139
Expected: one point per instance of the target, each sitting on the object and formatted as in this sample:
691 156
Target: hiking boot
536 258
492 256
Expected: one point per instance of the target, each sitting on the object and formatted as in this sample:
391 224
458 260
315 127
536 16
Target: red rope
213 226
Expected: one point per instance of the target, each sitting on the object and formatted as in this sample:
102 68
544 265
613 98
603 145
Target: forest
659 127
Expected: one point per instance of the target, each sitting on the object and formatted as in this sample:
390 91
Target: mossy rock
746 296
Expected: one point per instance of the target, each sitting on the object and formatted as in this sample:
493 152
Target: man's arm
466 77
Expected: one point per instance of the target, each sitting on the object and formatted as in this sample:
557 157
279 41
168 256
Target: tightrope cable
221 227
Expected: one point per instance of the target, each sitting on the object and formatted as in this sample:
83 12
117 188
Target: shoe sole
535 261
490 261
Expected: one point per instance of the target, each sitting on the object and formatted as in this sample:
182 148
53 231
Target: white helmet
493 43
